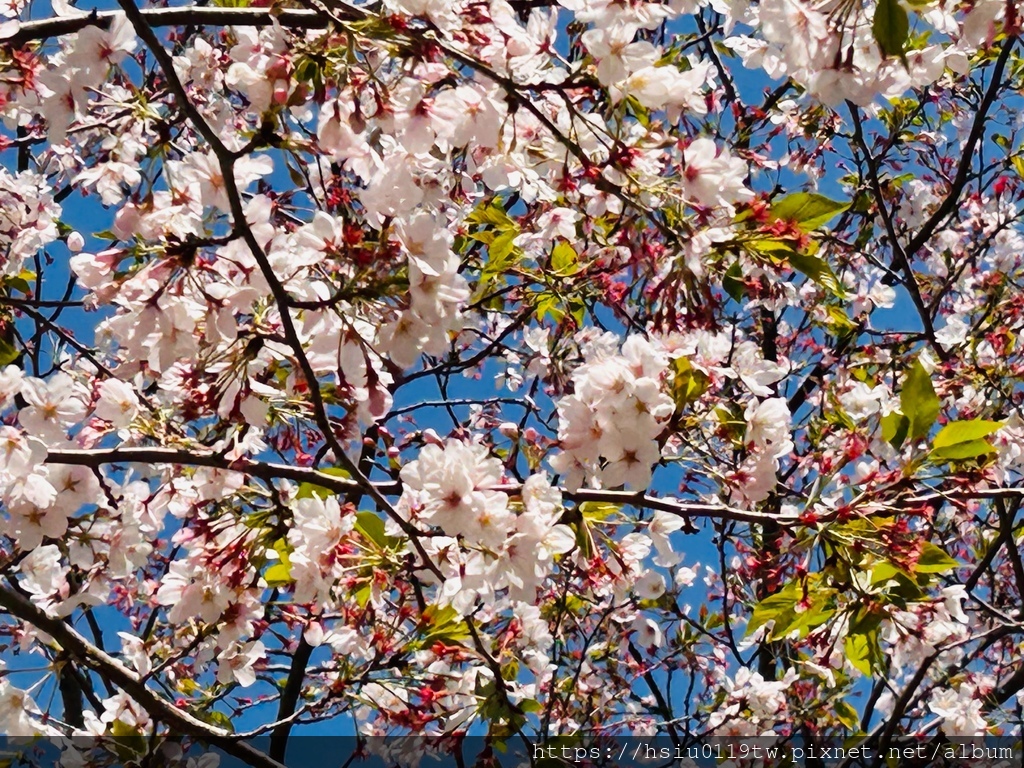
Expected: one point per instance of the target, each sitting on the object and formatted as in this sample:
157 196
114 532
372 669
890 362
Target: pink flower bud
314 634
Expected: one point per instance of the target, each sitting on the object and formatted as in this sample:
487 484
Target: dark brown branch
226 159
10 301
901 256
963 170
180 456
289 699
1010 686
682 508
664 708
268 471
128 681
168 17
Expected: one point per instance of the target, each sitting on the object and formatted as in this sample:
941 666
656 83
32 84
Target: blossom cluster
486 545
250 450
609 426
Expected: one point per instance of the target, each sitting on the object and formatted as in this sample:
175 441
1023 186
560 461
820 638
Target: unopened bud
314 633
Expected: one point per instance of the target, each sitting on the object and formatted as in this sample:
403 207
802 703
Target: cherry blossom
526 370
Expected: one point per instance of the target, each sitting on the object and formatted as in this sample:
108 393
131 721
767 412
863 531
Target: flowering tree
544 371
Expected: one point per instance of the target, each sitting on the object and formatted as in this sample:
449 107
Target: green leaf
733 282
778 249
806 620
895 427
775 607
861 643
891 27
502 254
219 719
129 743
295 175
962 451
885 571
598 510
549 306
500 251
363 595
839 322
903 587
564 260
531 706
493 214
584 540
957 432
934 560
308 490
858 652
689 383
817 270
919 401
445 625
19 284
962 440
278 575
846 714
808 210
8 352
639 111
306 70
578 310
372 527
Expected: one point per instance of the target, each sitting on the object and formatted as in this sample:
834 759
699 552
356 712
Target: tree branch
949 204
128 681
271 471
681 508
290 699
183 457
902 257
290 18
226 160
